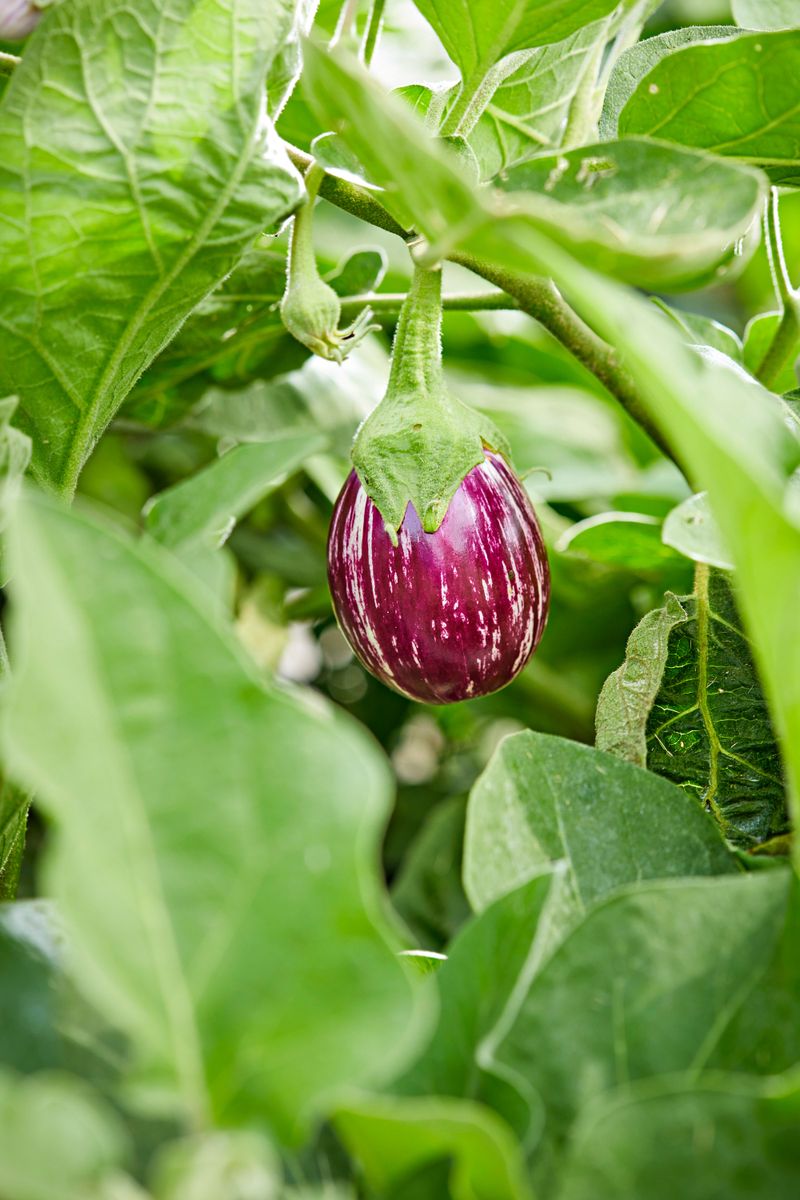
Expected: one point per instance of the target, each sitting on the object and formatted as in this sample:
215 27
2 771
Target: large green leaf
229 830
392 1137
633 65
725 1137
205 507
690 94
647 212
136 166
28 1037
544 798
57 1141
645 986
687 704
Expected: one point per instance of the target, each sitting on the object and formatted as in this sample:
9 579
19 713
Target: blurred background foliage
579 453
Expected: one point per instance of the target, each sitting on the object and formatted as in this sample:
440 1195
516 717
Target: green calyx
310 309
420 442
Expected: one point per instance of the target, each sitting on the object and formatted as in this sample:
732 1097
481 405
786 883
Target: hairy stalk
786 336
537 297
388 304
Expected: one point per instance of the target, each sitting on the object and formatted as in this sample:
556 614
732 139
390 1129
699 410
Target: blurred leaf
647 212
624 539
123 207
218 1166
544 798
688 97
644 986
687 704
233 914
392 1137
766 14
757 339
691 529
57 1141
635 62
205 507
711 1136
427 892
15 455
700 330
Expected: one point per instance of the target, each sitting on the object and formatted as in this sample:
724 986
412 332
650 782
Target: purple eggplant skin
449 615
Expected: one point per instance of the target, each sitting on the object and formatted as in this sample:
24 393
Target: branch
537 297
388 304
787 334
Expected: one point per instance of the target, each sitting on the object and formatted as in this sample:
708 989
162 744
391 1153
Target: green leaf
634 64
644 986
688 97
123 205
15 455
651 214
14 805
715 1135
691 529
392 1137
766 14
222 920
624 539
543 798
478 34
427 891
529 111
704 331
232 335
687 704
205 507
361 271
57 1141
757 339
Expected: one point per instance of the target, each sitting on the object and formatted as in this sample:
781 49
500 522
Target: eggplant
451 614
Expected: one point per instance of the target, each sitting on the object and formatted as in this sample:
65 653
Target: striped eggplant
448 615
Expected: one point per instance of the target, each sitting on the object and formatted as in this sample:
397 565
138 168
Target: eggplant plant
400 705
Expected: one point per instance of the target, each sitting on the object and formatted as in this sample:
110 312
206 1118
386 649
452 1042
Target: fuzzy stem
417 349
301 249
388 304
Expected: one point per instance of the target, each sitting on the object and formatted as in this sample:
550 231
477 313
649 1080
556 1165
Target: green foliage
545 969
545 799
686 703
194 894
689 94
104 261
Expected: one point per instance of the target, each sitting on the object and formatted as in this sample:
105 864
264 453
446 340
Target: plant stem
373 31
388 304
583 111
346 23
537 297
787 335
8 63
417 349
